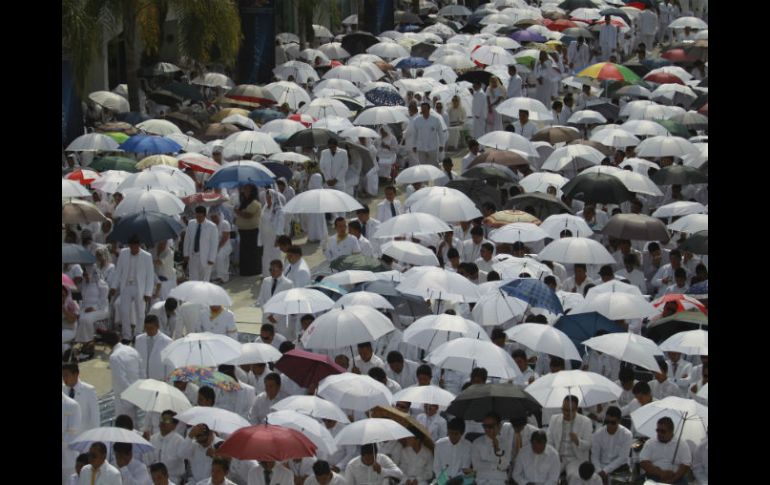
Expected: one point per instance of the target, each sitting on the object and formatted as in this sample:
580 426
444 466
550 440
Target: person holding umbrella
371 467
491 452
198 449
663 458
134 279
247 216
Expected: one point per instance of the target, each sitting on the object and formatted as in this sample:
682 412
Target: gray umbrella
638 227
76 254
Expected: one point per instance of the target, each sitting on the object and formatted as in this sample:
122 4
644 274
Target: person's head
431 409
612 419
424 375
159 473
272 385
453 255
378 374
390 193
556 364
341 227
200 214
267 465
283 242
323 472
151 325
70 373
665 429
473 146
403 406
124 421
538 440
586 470
487 249
476 85
642 392
477 234
479 375
306 321
455 430
134 244
606 273
80 462
569 407
498 336
580 271
206 396
220 467
520 357
168 422
446 164
342 360
523 116
332 145
630 261
363 214
365 351
680 277
276 268
425 109
412 108
675 258
267 333
368 453
294 254
550 282
124 453
626 376
354 228
395 361
97 453
491 424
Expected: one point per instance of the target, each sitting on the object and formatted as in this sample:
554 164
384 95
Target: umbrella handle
679 439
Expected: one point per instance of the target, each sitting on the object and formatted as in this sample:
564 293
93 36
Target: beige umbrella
76 211
157 160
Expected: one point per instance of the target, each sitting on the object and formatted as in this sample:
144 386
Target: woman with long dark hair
247 218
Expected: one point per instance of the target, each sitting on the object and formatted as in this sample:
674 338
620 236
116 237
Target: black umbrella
699 102
490 171
472 76
577 32
617 13
508 400
356 149
697 243
358 262
408 18
149 227
544 205
358 42
279 169
599 188
423 49
660 330
608 110
76 254
477 191
132 117
349 102
679 175
692 121
311 137
184 121
569 5
166 97
638 227
704 83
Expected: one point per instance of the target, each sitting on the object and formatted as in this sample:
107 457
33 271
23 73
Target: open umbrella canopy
149 227
266 442
589 387
319 201
597 188
92 142
202 349
465 354
297 301
433 283
371 430
150 145
541 205
124 164
692 342
679 175
424 395
154 200
509 401
345 327
690 420
256 353
152 395
203 293
582 326
557 223
617 306
447 204
535 293
307 368
627 347
660 330
638 227
237 175
109 436
312 406
410 253
697 243
354 392
431 331
576 250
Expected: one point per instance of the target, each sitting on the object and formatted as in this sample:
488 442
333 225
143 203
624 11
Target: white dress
315 224
271 224
494 120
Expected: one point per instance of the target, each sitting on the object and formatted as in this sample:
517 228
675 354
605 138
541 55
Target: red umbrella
306 368
67 281
266 442
334 64
683 303
306 120
677 55
663 78
198 163
204 198
637 5
559 25
704 110
85 177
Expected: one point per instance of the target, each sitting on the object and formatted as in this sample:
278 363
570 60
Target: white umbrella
517 231
512 267
438 284
156 200
540 181
360 132
424 395
627 347
431 331
497 308
249 142
419 173
151 395
256 353
201 349
672 92
217 419
281 128
492 54
323 107
680 208
557 223
92 142
288 156
580 155
322 32
202 293
297 301
589 387
188 143
353 74
365 298
465 354
690 419
411 223
618 306
300 71
666 146
335 124
691 223
314 430
354 392
312 406
692 22
410 252
111 101
504 42
381 115
613 286
109 435
70 188
371 430
159 127
350 277
691 342
537 110
346 327
319 201
418 85
639 165
544 338
343 85
388 50
505 140
615 137
447 204
440 71
214 80
455 61
108 182
350 20
574 250
310 55
288 92
586 117
175 182
455 10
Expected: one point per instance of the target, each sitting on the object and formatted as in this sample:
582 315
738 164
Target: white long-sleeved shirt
261 407
335 249
527 130
451 458
435 424
700 463
611 451
239 401
543 468
427 134
125 364
489 467
298 273
85 395
106 475
408 375
661 390
135 473
157 368
682 375
356 473
417 465
334 167
200 462
364 367
337 479
280 476
167 451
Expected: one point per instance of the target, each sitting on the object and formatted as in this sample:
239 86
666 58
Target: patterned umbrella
501 218
205 376
384 97
604 71
413 63
535 293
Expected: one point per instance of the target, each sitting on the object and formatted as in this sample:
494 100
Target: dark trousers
250 257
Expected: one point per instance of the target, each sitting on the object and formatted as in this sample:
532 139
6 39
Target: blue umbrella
535 293
413 63
583 326
76 254
279 169
330 289
237 175
150 144
150 227
384 97
527 36
132 117
409 28
265 115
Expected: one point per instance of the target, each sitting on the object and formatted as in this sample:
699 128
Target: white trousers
199 271
85 330
130 299
222 265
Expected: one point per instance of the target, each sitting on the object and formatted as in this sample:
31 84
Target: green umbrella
660 330
113 163
117 136
359 262
675 128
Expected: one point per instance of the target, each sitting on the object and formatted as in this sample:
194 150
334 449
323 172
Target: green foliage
205 23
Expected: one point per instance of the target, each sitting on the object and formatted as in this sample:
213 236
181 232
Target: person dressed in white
386 151
224 248
479 111
219 320
471 250
662 386
200 246
495 95
611 444
474 150
83 393
491 452
125 364
578 54
427 136
700 462
416 461
297 269
667 12
265 400
371 468
94 306
135 279
452 454
609 38
314 224
390 207
571 433
239 401
220 468
165 310
433 422
270 473
514 83
323 475
523 126
99 471
70 429
149 345
537 463
341 243
334 165
546 79
198 449
168 443
663 457
163 259
131 469
271 286
271 226
647 20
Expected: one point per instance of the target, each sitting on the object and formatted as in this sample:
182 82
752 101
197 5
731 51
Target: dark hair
365 345
488 246
667 422
653 246
273 376
267 326
538 436
424 369
641 388
479 372
549 280
573 399
452 253
390 187
208 394
223 462
626 374
606 270
394 356
308 317
99 446
110 338
277 262
680 273
477 231
321 467
556 362
71 367
286 346
497 333
200 210
363 210
580 266
124 421
377 374
494 416
283 239
338 220
519 353
613 412
122 448
332 141
170 304
82 459
354 225
488 206
368 449
493 276
294 250
675 252
586 470
159 467
153 319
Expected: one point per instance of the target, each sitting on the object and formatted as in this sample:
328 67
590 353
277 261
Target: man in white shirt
341 243
665 274
125 364
474 150
168 444
297 269
134 277
219 320
201 243
268 335
522 435
631 272
700 462
471 250
433 422
198 449
609 38
354 228
272 394
611 445
239 401
416 460
527 375
523 126
681 372
484 261
224 248
514 83
401 370
571 434
371 468
479 111
491 452
537 463
578 54
271 286
642 397
334 166
577 283
159 474
667 12
98 471
323 475
388 208
270 473
647 20
149 345
369 225
131 470
665 458
165 311
366 359
680 285
661 386
83 393
70 429
452 454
